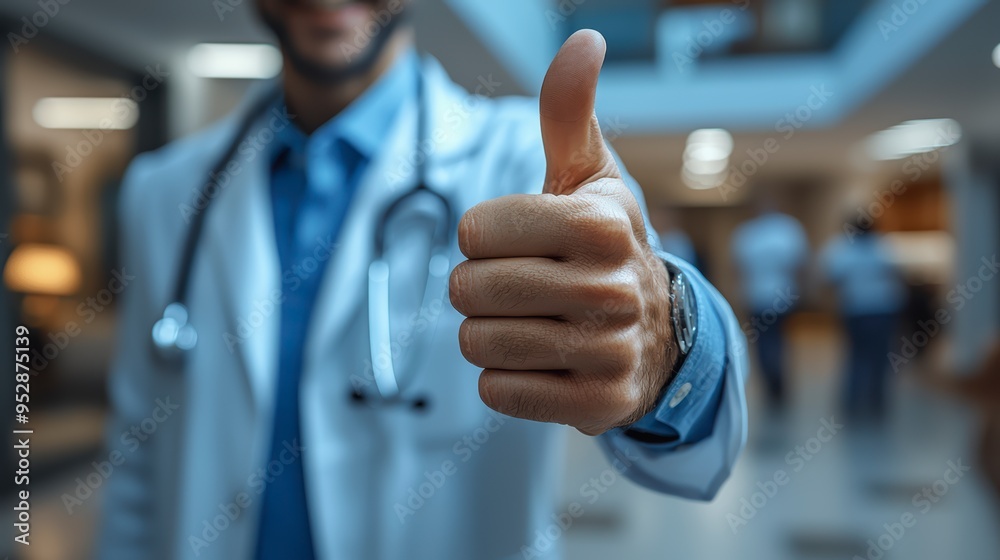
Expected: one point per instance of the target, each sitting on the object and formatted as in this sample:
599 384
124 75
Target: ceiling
953 79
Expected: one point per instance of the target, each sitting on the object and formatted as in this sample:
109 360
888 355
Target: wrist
662 352
681 318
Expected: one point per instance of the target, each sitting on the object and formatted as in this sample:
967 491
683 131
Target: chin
330 44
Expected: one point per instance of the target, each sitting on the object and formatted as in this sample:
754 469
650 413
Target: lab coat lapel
345 280
240 235
392 174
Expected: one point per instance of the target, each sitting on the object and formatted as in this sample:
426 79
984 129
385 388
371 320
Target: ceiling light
706 167
913 137
706 158
996 56
42 269
704 182
105 113
234 61
709 144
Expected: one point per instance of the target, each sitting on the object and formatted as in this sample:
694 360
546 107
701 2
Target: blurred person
313 393
770 252
871 296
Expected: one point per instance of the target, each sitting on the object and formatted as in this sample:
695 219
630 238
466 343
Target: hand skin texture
567 305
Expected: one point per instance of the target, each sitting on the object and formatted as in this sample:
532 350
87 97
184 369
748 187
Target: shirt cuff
686 412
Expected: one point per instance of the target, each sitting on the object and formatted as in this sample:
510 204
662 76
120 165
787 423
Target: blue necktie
309 202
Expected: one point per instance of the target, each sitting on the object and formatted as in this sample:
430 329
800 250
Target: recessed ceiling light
706 158
105 113
913 137
709 144
234 61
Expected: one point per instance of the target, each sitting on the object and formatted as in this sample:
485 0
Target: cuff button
679 396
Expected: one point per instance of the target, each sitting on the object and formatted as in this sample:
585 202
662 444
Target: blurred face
332 40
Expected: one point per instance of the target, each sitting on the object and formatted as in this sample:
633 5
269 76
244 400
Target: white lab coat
360 463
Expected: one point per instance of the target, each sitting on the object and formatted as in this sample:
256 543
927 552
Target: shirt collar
365 123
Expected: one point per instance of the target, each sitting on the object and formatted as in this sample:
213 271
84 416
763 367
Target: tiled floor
854 485
861 480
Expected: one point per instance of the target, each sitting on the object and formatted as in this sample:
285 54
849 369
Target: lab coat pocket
423 346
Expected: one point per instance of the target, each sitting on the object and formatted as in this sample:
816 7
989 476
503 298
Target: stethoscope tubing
173 335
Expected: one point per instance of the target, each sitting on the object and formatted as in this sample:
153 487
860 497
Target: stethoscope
174 336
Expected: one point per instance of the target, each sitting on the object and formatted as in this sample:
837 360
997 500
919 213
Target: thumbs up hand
567 305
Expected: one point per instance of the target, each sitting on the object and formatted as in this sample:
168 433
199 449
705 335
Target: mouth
333 15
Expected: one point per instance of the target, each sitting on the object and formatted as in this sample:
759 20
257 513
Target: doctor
314 418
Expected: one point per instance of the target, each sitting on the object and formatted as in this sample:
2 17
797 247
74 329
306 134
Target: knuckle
591 215
532 405
513 285
506 347
611 368
458 284
604 216
523 216
625 396
604 227
617 296
626 301
623 353
470 342
614 377
512 347
494 394
519 403
469 232
502 291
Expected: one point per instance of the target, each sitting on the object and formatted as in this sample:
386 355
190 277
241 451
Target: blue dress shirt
313 180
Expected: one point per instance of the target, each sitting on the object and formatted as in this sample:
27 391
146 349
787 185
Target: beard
329 74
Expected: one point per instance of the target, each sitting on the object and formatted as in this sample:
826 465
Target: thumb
575 152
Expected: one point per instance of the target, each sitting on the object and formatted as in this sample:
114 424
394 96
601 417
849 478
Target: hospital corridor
531 279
